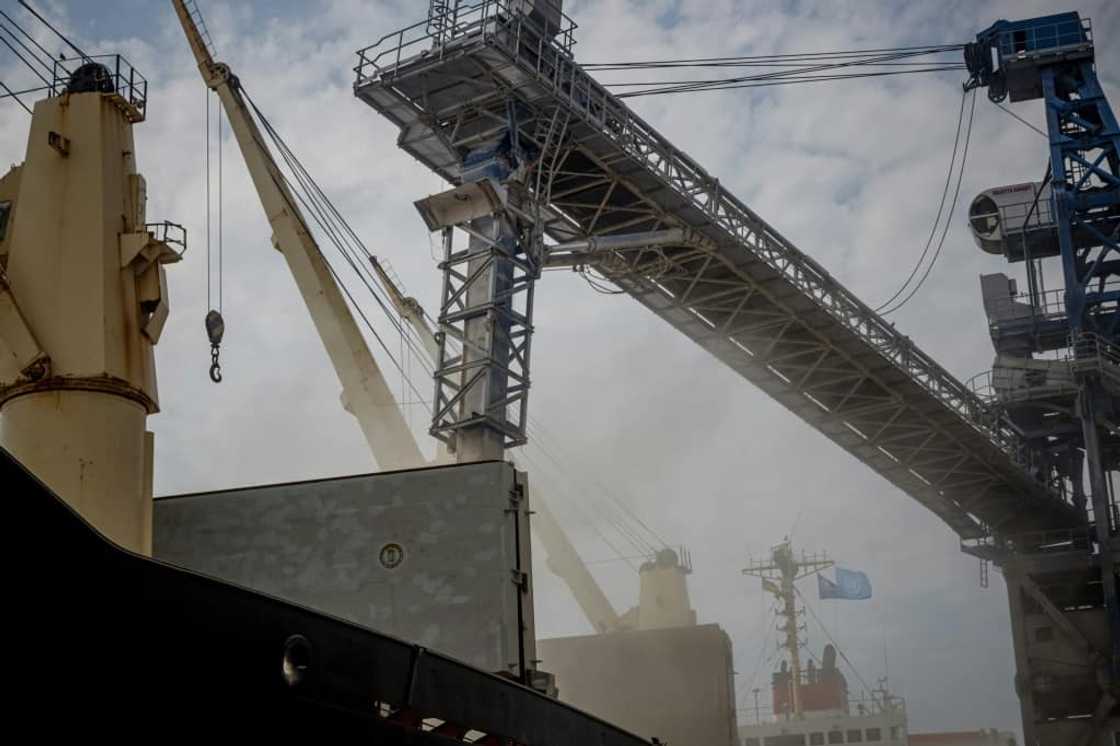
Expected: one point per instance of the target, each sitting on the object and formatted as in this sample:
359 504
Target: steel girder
741 291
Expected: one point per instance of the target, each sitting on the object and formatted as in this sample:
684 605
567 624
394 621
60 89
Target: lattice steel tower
1056 373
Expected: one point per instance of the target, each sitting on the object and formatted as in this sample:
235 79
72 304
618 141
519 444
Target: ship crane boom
366 393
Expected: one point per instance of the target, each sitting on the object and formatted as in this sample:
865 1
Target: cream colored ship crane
364 389
83 301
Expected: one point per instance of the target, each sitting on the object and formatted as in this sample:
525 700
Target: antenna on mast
778 575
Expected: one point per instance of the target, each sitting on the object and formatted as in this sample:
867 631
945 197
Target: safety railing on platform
982 387
864 704
1093 354
1047 305
1077 539
113 74
171 234
1088 354
447 22
553 67
1018 218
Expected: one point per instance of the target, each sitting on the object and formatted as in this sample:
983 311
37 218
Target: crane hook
215 330
215 366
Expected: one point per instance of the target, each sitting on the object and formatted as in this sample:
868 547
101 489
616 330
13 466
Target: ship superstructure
811 703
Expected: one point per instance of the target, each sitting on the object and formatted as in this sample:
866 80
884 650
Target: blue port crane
1052 58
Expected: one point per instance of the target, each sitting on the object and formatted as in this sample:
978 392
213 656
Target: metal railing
982 387
117 76
864 704
448 23
1031 214
1080 538
550 65
1088 354
171 234
1046 306
1092 354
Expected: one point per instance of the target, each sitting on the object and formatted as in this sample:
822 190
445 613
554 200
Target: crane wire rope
208 181
342 235
751 59
12 94
1024 122
221 252
39 55
538 434
625 524
948 220
940 210
214 323
824 68
214 256
42 51
619 555
20 57
308 193
583 505
345 240
761 81
606 513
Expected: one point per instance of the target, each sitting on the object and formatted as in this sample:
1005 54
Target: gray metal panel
746 294
320 544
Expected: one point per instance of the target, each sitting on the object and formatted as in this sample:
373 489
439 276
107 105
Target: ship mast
779 573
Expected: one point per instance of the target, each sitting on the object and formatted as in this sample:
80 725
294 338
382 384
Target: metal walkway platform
733 284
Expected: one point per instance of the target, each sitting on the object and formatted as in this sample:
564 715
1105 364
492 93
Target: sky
638 415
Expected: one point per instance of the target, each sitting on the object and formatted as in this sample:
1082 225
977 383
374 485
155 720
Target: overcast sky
850 171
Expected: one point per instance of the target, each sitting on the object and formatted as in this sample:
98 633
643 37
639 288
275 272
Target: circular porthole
391 556
296 661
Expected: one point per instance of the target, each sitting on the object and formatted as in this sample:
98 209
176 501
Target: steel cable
948 220
940 210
